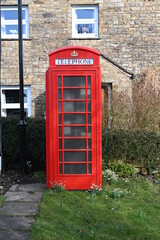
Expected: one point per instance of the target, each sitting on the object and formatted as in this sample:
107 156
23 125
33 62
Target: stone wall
129 34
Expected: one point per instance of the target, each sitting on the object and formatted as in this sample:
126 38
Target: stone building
127 32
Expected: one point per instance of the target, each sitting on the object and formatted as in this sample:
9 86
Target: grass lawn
130 212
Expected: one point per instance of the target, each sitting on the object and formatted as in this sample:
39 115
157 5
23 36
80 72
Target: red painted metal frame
73 181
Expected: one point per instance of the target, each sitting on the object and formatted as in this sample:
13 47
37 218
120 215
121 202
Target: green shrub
35 143
135 147
10 142
122 169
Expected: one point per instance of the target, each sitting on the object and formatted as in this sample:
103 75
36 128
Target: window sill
15 39
78 38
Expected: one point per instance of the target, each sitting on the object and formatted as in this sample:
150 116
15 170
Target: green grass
1 199
76 215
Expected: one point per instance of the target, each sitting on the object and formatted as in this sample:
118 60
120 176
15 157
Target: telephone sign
73 118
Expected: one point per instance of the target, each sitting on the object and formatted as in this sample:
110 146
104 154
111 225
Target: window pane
75 156
85 13
60 168
23 14
89 144
74 81
89 106
11 29
60 131
59 94
10 14
60 107
85 28
74 93
60 144
74 106
74 143
74 131
89 156
60 156
23 29
89 131
59 81
90 168
89 81
75 168
89 118
25 96
74 118
60 118
89 93
11 96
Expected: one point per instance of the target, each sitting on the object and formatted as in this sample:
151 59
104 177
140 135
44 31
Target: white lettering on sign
70 61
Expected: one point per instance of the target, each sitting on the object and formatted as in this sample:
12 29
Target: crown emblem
74 54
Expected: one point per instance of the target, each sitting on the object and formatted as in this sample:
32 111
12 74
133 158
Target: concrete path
17 213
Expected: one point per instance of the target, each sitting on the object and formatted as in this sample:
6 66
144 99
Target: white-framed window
85 21
9 22
10 100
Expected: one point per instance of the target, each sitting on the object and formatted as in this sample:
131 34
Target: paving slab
35 187
14 187
19 209
8 223
13 235
23 196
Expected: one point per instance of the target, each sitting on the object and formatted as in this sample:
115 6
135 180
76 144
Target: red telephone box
73 118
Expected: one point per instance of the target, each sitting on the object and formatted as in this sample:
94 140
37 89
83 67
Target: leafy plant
122 169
